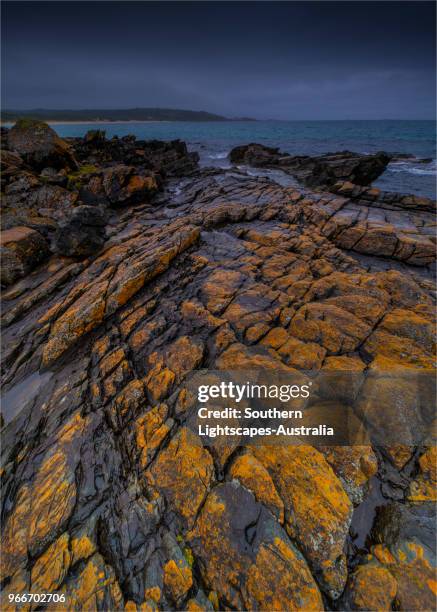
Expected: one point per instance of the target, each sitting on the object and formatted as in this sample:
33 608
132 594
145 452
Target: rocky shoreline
126 267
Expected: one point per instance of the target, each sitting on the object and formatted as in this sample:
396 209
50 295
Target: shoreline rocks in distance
315 171
49 185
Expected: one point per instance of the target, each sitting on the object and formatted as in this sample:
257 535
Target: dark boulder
254 154
399 522
9 160
119 186
95 137
164 158
40 146
21 250
53 177
320 171
11 166
28 196
172 158
354 167
82 233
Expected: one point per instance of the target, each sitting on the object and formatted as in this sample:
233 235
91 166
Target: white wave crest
413 167
222 155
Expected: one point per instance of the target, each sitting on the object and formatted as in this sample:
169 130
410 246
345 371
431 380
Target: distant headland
115 115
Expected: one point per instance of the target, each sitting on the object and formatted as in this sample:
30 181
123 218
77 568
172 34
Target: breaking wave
221 155
412 167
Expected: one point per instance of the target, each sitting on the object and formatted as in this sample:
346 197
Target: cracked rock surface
108 496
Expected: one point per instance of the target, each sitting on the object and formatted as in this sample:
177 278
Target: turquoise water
213 141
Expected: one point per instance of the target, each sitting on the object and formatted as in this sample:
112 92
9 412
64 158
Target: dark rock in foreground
82 233
21 250
323 170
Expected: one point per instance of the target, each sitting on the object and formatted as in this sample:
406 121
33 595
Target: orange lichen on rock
371 588
241 545
109 496
317 510
158 382
178 579
87 312
94 588
354 465
254 476
40 511
277 563
52 566
424 486
183 472
151 429
412 567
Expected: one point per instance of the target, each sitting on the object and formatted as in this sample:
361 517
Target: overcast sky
281 60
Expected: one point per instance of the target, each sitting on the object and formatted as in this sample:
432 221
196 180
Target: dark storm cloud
262 59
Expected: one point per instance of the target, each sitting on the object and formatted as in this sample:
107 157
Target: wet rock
119 186
407 553
370 588
317 509
397 523
151 430
44 504
82 233
375 227
51 567
108 496
254 155
354 465
22 249
357 168
254 476
200 603
372 196
246 556
166 158
183 472
79 319
39 145
424 486
326 170
95 587
114 279
178 580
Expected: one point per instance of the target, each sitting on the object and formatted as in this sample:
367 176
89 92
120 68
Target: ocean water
214 140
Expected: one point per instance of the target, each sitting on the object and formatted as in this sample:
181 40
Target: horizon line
223 118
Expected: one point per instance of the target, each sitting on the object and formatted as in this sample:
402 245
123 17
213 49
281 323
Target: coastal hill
129 114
